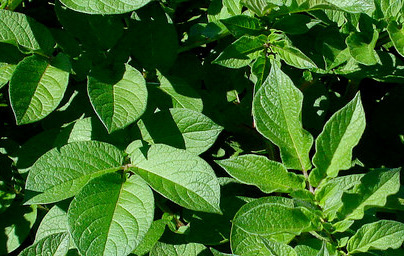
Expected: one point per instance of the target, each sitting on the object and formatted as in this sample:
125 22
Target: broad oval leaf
182 177
111 215
152 236
6 71
354 6
54 222
118 102
373 191
79 162
334 145
19 29
396 33
362 48
183 128
163 249
240 25
181 93
55 245
292 55
379 235
16 224
267 175
277 108
104 6
241 52
266 217
37 87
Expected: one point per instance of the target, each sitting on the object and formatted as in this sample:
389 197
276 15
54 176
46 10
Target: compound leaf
379 235
180 176
118 102
104 6
277 112
111 215
37 86
335 143
267 175
78 162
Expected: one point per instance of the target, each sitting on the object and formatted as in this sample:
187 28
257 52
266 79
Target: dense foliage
211 127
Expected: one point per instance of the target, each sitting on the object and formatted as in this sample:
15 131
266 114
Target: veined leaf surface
180 176
37 86
111 215
118 103
104 6
277 110
78 162
335 143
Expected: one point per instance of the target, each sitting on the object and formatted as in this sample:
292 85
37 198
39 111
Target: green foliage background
212 127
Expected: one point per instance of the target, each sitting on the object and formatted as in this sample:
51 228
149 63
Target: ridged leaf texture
277 108
111 215
104 6
21 30
37 86
118 102
55 245
373 190
182 177
335 143
267 175
78 162
379 235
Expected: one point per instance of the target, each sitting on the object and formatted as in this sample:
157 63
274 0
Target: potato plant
212 127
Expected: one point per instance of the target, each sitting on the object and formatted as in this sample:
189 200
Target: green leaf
183 128
263 217
180 176
218 253
15 226
118 101
268 248
182 94
260 7
152 236
240 25
373 191
354 6
274 218
267 175
54 222
241 52
334 145
19 29
164 249
37 87
55 245
291 55
396 33
105 6
277 113
379 235
362 48
111 215
261 68
79 162
6 71
7 196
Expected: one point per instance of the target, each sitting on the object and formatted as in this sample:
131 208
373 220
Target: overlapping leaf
111 215
118 102
277 113
61 173
37 87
